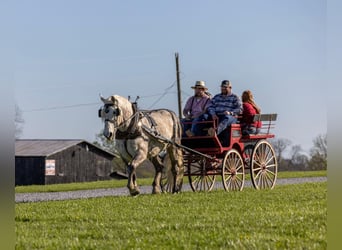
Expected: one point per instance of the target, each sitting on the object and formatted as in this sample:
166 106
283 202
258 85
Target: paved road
84 194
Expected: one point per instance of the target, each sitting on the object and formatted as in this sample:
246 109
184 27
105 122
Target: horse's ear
103 99
112 98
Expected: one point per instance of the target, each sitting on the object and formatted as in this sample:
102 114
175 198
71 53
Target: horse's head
115 113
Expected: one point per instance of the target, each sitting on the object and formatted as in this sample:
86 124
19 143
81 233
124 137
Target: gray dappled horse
133 132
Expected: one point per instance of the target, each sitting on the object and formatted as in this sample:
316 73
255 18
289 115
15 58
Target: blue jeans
195 127
247 130
224 122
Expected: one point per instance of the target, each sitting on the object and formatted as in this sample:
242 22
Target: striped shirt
221 103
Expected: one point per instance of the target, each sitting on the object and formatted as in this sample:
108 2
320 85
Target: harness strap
133 130
165 140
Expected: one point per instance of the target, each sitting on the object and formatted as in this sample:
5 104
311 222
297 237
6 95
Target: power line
161 95
165 92
62 107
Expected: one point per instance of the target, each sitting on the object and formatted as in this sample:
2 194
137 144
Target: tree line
297 159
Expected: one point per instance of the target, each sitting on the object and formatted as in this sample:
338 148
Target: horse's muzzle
108 135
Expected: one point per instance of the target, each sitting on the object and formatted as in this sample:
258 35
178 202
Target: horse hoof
134 192
156 190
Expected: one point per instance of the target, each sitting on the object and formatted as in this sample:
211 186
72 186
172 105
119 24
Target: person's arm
248 113
187 108
211 106
238 106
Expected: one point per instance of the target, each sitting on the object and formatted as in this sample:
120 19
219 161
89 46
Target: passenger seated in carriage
250 108
225 107
195 110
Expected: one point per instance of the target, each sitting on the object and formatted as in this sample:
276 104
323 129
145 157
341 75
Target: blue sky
67 52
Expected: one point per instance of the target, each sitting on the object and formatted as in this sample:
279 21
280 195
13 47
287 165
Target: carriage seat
268 123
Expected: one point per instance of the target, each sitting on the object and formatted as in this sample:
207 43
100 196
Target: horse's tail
177 128
178 167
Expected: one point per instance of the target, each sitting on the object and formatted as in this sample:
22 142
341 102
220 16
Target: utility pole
178 87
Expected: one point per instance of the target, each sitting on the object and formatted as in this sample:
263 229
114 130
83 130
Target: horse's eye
117 111
106 111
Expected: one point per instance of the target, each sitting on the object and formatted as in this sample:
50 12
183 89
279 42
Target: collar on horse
133 130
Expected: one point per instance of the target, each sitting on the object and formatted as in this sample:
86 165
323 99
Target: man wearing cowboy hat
195 109
225 107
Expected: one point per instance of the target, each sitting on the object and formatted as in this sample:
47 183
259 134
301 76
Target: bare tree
319 152
280 146
298 159
18 122
104 143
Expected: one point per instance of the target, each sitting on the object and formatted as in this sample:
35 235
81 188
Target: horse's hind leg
158 166
176 156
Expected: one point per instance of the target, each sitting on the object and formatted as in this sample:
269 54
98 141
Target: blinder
116 111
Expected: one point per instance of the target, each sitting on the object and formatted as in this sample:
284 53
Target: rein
135 113
133 130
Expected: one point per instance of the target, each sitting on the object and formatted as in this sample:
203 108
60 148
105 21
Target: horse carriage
230 157
156 135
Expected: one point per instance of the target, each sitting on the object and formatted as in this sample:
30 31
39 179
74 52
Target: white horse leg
139 157
177 168
158 166
132 185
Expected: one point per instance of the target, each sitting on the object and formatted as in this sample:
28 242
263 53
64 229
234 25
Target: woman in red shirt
250 108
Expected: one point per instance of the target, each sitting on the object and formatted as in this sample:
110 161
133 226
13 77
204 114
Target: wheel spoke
269 159
256 176
198 177
239 167
259 180
257 163
264 179
229 176
270 179
269 171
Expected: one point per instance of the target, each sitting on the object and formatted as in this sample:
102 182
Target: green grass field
287 217
141 181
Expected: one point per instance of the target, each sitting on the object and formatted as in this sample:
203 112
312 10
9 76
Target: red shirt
247 115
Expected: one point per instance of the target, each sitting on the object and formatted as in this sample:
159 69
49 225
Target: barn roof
46 147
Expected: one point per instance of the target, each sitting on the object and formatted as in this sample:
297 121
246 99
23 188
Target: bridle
118 112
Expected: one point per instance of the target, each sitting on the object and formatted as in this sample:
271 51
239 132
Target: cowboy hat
199 84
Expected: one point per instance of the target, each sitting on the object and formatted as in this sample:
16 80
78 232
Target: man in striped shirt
225 106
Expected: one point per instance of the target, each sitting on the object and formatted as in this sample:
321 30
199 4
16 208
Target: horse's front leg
132 180
139 157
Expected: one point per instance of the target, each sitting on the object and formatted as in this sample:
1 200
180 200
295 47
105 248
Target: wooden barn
60 161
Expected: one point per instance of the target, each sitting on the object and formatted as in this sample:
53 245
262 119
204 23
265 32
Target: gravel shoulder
85 194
